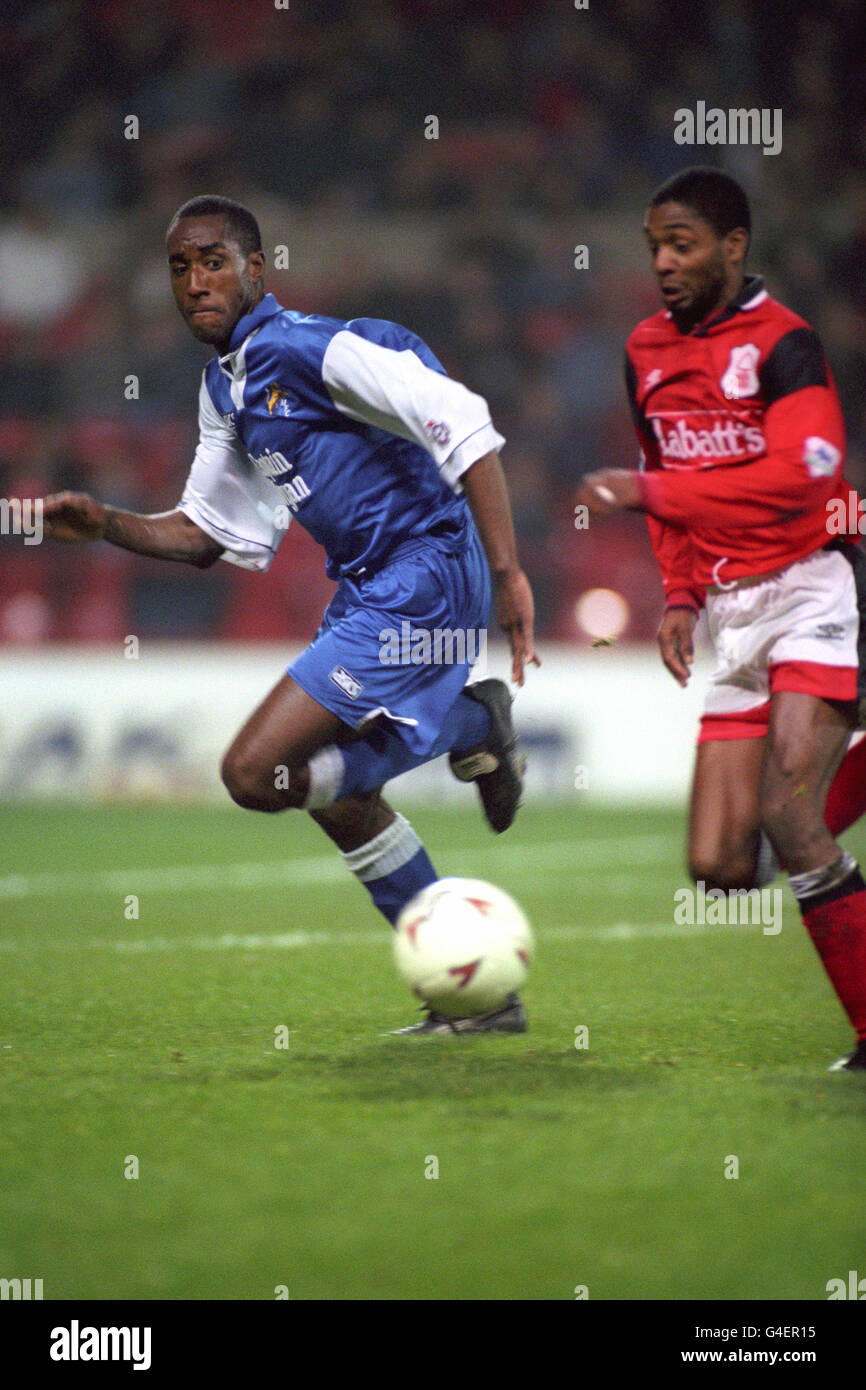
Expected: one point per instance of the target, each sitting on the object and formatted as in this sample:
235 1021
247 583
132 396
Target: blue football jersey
353 428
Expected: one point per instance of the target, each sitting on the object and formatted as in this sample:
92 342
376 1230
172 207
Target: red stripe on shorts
813 678
747 723
805 677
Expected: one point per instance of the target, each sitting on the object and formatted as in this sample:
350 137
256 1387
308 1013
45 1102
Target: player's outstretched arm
486 492
74 516
610 489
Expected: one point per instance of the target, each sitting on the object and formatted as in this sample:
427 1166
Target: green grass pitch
152 959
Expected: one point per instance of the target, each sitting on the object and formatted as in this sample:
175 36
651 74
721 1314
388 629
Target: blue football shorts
399 643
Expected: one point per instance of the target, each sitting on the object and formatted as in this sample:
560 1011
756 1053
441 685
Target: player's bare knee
258 789
702 866
245 792
235 776
725 869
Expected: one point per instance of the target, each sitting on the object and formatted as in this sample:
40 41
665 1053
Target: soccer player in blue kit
393 467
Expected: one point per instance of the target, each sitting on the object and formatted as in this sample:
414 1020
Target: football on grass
462 946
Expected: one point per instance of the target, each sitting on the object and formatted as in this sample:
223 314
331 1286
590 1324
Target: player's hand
676 642
73 516
516 612
608 490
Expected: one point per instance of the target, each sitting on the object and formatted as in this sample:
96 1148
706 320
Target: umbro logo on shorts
347 683
831 632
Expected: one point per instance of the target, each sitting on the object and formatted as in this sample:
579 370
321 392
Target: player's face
698 271
214 284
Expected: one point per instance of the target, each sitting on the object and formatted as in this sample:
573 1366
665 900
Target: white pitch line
207 877
585 857
299 940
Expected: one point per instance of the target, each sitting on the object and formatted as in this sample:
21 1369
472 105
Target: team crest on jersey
278 400
741 377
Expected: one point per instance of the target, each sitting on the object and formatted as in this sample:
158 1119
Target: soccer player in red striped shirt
743 442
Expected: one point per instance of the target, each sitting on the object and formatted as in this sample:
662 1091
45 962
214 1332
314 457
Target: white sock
326 778
385 853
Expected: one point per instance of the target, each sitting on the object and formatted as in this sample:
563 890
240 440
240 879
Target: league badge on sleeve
820 456
741 377
439 432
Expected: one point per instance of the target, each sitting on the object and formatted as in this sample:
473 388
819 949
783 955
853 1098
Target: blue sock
393 867
372 761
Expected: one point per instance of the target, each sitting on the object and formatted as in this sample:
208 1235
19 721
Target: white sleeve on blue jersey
228 498
397 392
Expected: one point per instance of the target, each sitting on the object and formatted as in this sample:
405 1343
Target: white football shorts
798 628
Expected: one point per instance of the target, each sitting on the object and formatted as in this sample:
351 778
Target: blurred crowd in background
435 162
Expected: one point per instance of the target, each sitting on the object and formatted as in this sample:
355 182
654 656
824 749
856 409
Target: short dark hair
712 194
240 224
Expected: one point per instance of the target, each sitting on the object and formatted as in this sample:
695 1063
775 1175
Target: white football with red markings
462 946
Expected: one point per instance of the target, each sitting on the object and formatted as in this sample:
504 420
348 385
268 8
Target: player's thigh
806 741
725 819
285 730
